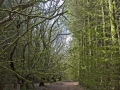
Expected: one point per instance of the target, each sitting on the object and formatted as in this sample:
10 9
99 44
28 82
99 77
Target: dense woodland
53 40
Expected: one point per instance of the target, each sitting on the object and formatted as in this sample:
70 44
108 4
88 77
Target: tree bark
2 85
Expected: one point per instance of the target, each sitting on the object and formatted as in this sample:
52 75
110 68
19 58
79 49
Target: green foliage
96 43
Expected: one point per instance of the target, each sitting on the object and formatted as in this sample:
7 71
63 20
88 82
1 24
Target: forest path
52 86
61 86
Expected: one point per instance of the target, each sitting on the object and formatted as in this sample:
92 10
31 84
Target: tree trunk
15 85
1 85
41 83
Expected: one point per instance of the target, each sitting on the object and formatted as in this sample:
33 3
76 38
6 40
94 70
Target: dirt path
53 86
61 86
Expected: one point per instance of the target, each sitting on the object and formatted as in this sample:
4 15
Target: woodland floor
62 86
59 86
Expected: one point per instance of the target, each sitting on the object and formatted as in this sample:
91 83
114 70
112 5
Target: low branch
19 7
18 75
13 42
51 17
5 27
33 16
65 34
5 20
